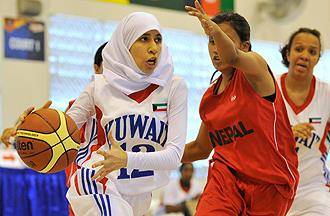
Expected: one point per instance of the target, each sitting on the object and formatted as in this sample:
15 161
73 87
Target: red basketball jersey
250 134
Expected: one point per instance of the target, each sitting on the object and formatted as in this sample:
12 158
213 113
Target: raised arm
235 53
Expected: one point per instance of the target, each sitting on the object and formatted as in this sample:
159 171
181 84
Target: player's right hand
210 27
11 132
302 130
6 134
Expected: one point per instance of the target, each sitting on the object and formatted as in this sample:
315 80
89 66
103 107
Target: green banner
225 5
169 4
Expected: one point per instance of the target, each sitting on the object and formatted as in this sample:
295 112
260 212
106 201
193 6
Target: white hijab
119 67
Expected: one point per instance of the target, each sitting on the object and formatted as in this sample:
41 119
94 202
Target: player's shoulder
176 79
178 82
99 82
98 78
323 86
172 185
209 88
322 83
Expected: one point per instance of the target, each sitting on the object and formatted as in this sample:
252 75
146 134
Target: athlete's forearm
193 152
224 43
167 159
175 208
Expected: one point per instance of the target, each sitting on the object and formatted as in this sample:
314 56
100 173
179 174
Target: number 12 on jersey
136 173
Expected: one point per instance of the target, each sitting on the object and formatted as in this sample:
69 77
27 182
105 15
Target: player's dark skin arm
198 149
174 208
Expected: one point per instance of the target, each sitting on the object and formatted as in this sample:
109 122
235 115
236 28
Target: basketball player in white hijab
141 109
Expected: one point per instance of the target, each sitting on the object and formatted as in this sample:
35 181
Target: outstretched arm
251 64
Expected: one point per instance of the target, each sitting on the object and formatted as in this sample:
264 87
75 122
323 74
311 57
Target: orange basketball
48 140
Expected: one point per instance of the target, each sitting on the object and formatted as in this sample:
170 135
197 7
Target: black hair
237 22
286 49
98 55
185 164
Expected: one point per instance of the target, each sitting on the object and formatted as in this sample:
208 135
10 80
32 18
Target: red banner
211 7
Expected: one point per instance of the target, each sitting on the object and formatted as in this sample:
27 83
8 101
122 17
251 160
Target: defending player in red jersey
245 121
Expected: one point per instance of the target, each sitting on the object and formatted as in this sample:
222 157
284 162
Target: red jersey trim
82 133
140 96
104 183
323 148
77 185
69 171
70 105
295 108
276 146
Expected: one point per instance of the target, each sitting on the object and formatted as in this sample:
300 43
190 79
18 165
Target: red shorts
226 194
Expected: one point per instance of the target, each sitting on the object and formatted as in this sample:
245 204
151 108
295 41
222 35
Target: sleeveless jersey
312 152
250 134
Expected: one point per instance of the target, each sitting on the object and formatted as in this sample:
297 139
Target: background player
181 191
308 106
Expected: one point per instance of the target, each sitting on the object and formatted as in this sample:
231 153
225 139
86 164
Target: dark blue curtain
28 193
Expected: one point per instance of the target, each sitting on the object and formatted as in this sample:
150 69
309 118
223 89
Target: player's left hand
114 159
302 130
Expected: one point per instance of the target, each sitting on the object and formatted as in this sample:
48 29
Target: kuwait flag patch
315 120
158 107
